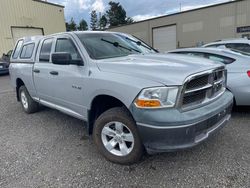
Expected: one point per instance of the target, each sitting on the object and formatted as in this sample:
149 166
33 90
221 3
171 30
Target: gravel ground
50 149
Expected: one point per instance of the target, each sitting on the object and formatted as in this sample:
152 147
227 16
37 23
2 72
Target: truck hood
167 69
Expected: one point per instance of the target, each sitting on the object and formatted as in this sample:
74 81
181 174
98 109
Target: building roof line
49 3
176 13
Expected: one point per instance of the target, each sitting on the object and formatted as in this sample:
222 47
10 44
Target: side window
27 51
239 46
219 58
216 46
17 49
66 45
212 46
197 54
45 50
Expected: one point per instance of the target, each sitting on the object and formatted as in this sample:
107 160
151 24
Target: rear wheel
28 104
116 136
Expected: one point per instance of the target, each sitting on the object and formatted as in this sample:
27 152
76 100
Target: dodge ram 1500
130 96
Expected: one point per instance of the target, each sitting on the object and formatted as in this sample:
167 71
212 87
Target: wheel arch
100 104
19 83
234 99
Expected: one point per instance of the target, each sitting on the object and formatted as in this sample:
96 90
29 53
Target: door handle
36 70
53 72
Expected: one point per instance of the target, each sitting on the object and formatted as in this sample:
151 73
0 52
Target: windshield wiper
116 44
139 43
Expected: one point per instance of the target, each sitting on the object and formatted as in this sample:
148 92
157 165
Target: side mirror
61 58
65 58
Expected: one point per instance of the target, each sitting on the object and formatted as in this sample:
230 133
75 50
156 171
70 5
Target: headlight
158 97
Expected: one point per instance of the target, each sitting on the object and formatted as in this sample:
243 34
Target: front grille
199 82
196 97
202 88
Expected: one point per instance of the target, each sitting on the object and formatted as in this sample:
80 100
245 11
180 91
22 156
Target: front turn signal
142 103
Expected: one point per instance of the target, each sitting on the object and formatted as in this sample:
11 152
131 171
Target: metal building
193 27
20 18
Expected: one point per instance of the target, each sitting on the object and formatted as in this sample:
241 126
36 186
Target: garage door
164 38
18 32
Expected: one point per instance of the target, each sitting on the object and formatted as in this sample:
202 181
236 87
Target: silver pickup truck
131 97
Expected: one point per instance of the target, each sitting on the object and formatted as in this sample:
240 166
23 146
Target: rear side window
17 49
239 46
27 51
196 54
214 45
213 57
46 50
219 58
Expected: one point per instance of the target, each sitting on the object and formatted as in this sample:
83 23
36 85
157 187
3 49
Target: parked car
240 44
238 68
130 96
5 62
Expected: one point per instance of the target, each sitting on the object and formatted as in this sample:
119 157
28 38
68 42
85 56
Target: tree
67 26
103 22
83 26
129 20
71 26
93 20
117 15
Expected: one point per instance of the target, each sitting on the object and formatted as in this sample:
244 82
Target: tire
117 126
29 105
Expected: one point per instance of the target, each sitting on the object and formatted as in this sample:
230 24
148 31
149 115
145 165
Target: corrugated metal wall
28 13
201 25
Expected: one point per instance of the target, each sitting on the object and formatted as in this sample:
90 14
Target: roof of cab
37 38
226 41
31 39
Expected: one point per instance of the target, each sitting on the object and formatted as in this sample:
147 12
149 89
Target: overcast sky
137 9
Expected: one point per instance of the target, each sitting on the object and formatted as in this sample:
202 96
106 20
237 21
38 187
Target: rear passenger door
41 72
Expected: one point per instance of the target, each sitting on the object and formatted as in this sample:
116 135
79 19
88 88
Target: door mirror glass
61 58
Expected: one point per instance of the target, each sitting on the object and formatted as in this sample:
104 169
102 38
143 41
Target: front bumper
170 129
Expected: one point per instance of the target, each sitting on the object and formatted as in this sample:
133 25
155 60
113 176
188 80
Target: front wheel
116 136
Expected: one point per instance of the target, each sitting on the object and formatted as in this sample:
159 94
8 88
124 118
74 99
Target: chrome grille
202 88
202 81
197 97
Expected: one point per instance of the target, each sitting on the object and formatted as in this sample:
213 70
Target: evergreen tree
93 20
103 22
129 20
67 26
117 15
71 25
83 25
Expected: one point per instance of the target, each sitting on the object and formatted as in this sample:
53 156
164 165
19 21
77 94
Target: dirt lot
50 149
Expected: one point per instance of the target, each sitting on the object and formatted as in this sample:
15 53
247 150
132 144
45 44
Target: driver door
68 80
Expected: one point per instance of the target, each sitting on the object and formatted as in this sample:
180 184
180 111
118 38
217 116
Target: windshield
138 43
110 45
